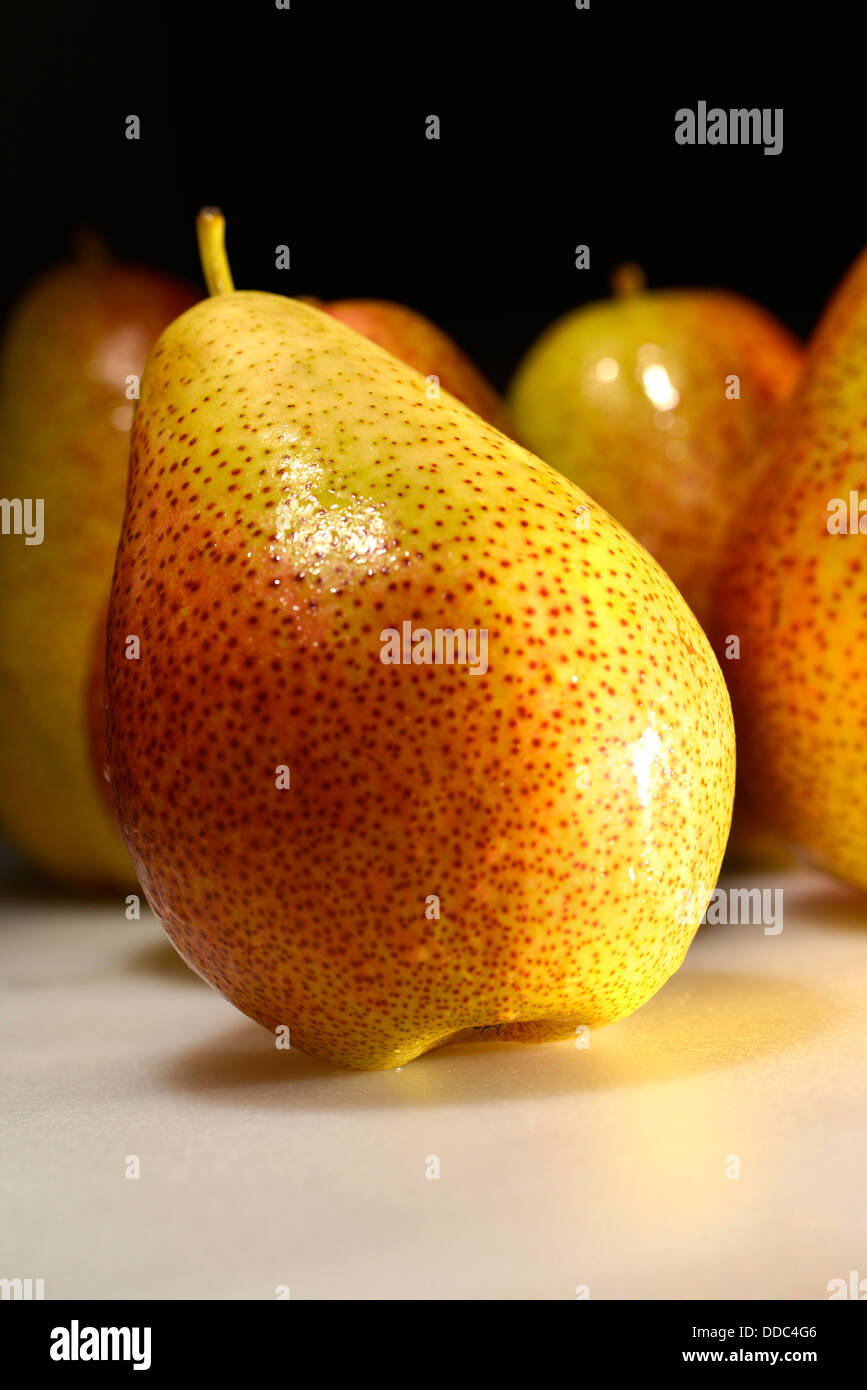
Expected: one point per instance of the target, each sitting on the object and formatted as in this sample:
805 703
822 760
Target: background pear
633 399
386 857
794 595
422 345
72 344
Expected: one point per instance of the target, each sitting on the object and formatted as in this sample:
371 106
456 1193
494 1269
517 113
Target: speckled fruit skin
797 598
71 343
422 345
292 494
673 476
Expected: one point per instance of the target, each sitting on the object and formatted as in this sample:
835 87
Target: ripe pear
655 403
74 348
422 345
790 620
353 824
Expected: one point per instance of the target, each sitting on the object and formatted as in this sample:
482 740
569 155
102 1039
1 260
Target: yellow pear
73 352
655 402
420 745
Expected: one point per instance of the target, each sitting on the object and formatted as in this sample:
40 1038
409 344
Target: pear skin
633 399
382 855
65 415
791 616
422 345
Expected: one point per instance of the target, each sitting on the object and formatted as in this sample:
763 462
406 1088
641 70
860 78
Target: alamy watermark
23 516
445 646
741 126
733 907
77 1343
13 1290
847 517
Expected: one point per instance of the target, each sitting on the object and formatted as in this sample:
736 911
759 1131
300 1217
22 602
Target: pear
74 349
655 403
411 742
417 341
790 614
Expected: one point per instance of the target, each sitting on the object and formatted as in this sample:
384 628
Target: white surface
559 1167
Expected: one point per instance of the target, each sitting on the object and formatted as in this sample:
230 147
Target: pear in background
791 616
349 821
655 403
73 343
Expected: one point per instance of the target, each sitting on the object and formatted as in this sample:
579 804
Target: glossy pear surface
453 852
72 345
794 595
633 399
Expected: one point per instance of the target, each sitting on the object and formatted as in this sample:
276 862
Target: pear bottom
369 1040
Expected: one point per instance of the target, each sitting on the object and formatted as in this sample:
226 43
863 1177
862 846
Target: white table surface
559 1167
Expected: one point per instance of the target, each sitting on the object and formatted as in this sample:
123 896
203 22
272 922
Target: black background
307 127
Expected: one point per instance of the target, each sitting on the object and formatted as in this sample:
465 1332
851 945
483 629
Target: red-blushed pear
422 345
794 595
655 403
409 336
421 745
74 349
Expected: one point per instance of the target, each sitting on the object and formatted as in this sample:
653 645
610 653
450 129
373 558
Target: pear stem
89 245
627 280
211 234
